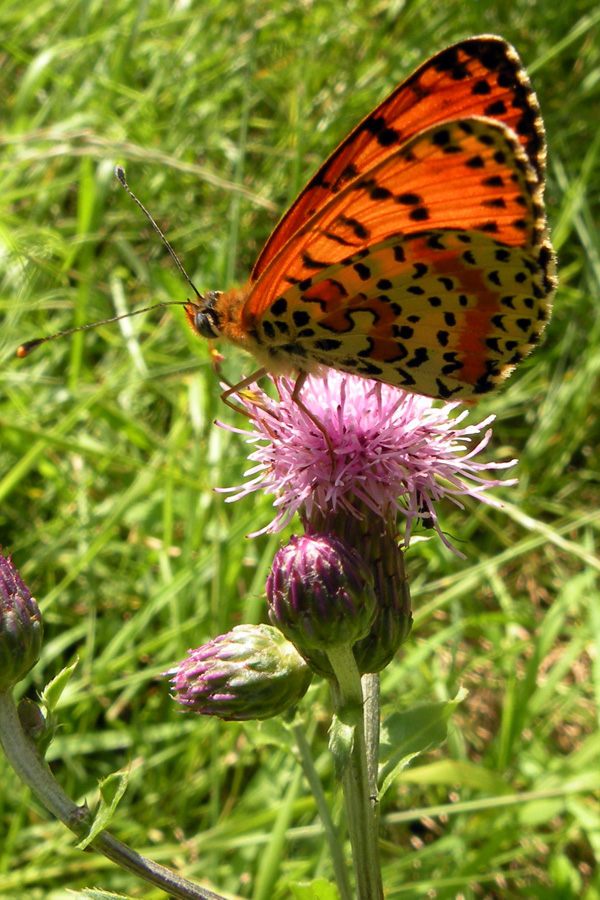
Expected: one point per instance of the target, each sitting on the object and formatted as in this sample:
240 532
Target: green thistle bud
393 622
320 594
251 672
20 627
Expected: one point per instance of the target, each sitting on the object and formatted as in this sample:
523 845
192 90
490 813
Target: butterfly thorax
217 314
222 314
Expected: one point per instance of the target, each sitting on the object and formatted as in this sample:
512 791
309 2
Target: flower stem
370 687
310 773
347 697
33 771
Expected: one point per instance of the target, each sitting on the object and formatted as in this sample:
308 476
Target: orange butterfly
418 254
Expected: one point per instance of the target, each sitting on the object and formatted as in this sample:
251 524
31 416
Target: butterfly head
203 315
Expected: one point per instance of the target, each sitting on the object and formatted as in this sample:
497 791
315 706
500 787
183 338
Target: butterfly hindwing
454 325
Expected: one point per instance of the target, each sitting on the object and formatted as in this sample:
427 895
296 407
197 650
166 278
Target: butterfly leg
313 418
251 379
240 386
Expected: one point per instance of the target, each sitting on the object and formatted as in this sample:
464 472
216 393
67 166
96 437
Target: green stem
370 687
31 769
347 698
337 856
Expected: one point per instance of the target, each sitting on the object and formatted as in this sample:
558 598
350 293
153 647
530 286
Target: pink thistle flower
394 452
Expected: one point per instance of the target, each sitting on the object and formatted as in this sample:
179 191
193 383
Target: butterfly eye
206 322
204 316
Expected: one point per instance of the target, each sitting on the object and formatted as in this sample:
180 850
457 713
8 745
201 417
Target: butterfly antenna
26 348
120 173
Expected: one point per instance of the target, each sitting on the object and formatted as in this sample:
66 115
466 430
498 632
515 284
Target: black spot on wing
497 108
408 199
310 263
493 181
435 242
441 138
327 344
419 357
419 214
336 238
475 162
363 271
377 126
374 190
300 318
359 230
403 332
495 203
452 363
481 88
445 392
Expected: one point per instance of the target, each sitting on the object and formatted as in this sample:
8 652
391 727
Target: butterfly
418 254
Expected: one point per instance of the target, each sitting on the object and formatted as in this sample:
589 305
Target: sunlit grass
219 112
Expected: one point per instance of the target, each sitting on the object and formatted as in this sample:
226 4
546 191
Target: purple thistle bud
320 593
20 627
251 672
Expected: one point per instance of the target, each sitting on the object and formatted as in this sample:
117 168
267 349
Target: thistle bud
320 593
20 627
394 619
251 672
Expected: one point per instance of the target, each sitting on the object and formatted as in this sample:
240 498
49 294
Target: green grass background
220 111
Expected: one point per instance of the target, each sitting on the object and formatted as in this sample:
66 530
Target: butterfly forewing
481 76
469 174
